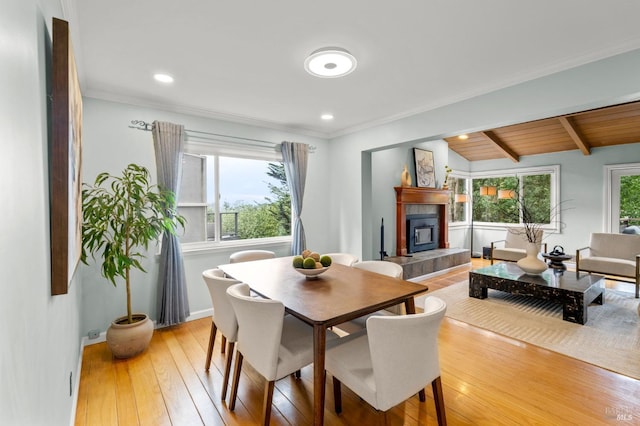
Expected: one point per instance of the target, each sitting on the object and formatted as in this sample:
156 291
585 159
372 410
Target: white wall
386 168
109 145
39 333
601 83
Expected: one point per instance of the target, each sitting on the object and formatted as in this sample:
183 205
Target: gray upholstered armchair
513 247
614 255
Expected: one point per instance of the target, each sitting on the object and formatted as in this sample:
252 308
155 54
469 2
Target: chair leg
297 374
422 396
227 370
236 380
436 385
381 418
212 339
224 343
337 396
268 397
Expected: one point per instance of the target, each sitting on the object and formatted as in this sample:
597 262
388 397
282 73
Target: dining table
340 294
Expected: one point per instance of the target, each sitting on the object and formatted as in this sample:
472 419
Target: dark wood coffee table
575 291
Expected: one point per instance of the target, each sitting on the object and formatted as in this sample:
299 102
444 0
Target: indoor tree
122 215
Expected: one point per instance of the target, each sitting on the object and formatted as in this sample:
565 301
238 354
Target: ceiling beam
506 151
573 133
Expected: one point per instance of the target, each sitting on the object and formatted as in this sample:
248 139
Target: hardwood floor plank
189 335
487 379
151 408
126 401
177 398
200 397
101 407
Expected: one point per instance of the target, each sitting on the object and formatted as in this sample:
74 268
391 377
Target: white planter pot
128 340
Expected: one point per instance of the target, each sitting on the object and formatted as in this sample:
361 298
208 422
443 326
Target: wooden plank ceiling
615 125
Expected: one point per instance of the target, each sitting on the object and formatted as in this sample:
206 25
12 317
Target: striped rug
610 339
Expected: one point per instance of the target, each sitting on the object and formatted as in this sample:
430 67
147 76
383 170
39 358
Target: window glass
499 199
252 197
459 199
629 201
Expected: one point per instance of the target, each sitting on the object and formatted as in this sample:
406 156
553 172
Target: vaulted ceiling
615 125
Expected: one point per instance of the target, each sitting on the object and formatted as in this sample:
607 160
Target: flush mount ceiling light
330 62
163 78
327 117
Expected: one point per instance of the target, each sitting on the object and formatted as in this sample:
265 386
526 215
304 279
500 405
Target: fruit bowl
312 273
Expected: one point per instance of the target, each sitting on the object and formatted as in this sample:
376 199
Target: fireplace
412 200
422 232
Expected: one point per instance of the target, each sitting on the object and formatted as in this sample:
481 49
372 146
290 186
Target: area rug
610 339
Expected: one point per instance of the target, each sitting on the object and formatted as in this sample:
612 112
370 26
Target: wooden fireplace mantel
412 195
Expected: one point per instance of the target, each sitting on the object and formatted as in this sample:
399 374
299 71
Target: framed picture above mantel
425 172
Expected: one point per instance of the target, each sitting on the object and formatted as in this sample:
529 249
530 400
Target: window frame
467 214
221 147
553 170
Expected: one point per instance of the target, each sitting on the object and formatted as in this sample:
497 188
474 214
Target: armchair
615 255
513 248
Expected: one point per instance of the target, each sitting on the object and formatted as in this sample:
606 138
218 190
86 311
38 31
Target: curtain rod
197 134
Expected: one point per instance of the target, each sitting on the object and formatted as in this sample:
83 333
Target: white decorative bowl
312 273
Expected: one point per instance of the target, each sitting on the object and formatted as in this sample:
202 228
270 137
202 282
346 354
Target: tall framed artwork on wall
425 173
65 193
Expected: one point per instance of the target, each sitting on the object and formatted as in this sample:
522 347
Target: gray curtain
173 303
295 157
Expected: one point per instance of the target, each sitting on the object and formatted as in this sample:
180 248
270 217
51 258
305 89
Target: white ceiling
243 60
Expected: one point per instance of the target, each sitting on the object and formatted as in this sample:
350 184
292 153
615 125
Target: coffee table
574 291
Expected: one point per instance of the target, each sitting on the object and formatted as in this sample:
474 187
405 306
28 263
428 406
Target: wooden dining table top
341 293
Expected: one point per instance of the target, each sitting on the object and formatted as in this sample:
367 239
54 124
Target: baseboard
437 273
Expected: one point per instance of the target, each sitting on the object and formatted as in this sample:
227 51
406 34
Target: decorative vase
405 179
128 340
531 264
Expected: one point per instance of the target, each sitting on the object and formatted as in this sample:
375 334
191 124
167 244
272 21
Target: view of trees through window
494 198
271 217
459 199
630 200
247 198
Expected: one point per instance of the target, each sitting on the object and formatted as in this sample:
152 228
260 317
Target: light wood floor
487 380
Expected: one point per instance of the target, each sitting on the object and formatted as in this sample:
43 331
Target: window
252 195
622 196
494 203
459 199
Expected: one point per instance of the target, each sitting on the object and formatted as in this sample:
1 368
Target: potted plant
121 215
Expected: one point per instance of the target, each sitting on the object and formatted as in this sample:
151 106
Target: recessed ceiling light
330 62
163 78
463 137
327 116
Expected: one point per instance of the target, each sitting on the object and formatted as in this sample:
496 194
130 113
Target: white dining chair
249 255
395 359
346 259
382 267
389 269
273 343
223 319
